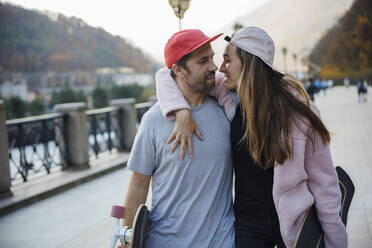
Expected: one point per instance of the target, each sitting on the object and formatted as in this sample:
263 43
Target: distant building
42 84
127 75
14 87
31 96
142 79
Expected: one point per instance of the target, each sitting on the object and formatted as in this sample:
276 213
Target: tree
36 107
79 96
147 93
126 91
15 108
31 41
117 92
67 95
134 90
100 97
346 49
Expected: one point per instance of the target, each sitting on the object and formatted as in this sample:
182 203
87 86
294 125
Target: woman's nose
223 68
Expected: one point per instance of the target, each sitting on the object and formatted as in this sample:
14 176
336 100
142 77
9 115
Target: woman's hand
184 127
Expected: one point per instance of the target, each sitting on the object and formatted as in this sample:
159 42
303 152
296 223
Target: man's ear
178 70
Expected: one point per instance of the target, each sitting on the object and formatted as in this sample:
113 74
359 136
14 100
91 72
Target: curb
59 182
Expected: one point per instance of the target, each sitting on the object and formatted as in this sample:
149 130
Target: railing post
127 121
5 179
77 135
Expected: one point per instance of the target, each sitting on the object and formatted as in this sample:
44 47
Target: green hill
346 49
31 41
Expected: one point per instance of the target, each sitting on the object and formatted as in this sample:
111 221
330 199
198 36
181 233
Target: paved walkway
351 124
79 217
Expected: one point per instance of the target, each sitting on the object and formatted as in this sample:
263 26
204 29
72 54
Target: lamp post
284 51
237 26
179 7
295 62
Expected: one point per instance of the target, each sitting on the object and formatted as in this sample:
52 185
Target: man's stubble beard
205 87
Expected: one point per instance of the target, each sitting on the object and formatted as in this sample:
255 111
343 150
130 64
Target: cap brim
275 69
204 42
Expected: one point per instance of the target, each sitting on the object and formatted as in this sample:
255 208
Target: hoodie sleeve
224 96
323 183
169 95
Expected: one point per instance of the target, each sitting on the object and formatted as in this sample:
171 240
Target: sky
147 24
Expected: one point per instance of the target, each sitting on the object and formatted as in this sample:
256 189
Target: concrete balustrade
74 148
77 135
5 179
127 121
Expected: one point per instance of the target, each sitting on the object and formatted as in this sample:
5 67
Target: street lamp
179 7
284 51
237 26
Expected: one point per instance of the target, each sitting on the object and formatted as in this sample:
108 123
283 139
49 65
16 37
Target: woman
282 160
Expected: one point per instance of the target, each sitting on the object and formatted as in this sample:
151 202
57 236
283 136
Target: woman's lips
226 78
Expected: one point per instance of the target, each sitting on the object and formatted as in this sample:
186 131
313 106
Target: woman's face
231 66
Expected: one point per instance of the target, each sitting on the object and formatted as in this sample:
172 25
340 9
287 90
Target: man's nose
213 67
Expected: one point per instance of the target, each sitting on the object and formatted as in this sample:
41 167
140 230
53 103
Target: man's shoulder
152 115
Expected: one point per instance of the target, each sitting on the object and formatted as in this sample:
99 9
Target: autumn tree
346 49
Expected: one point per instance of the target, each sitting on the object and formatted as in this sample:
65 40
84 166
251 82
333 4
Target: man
191 198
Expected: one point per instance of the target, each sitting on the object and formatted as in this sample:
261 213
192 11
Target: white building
14 87
142 79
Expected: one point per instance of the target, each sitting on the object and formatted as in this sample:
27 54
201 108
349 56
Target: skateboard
311 234
134 237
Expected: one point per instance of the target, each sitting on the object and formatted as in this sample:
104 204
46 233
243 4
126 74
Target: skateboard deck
140 224
133 236
311 234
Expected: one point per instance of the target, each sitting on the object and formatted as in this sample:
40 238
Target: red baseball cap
184 42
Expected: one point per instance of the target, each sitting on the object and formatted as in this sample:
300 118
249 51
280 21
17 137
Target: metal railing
33 146
141 109
105 134
104 130
39 144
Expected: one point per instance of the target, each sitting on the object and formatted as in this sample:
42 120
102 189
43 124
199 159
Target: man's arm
136 195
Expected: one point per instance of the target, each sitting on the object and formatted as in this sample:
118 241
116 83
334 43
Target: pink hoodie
308 177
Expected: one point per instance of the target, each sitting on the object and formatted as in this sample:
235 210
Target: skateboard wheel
117 212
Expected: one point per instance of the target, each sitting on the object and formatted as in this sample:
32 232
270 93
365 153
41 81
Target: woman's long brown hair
271 103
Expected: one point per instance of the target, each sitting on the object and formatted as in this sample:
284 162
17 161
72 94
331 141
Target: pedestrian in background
311 89
362 88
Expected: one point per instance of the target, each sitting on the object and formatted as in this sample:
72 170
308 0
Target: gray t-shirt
191 199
